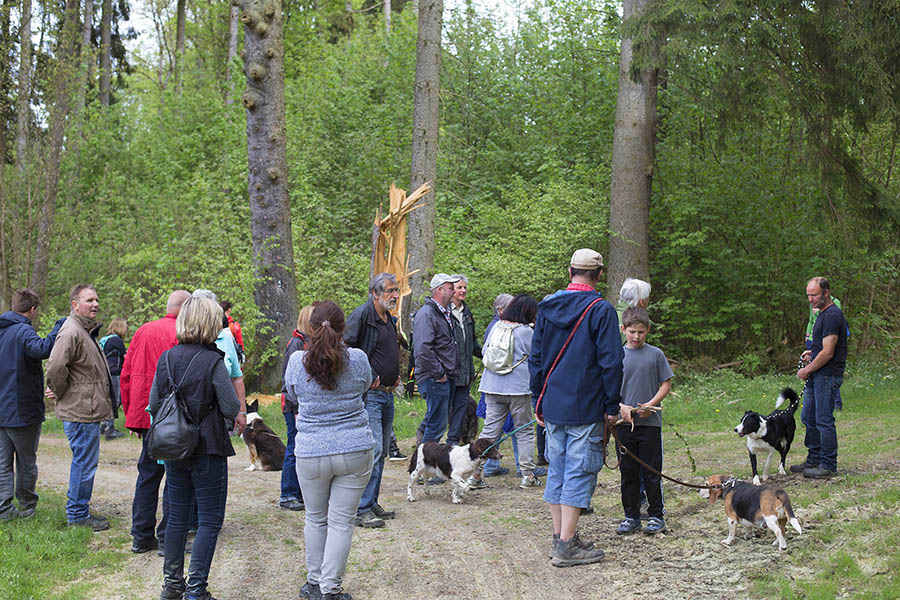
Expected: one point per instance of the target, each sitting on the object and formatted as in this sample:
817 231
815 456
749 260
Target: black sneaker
435 481
394 454
628 526
94 522
112 433
142 548
818 473
310 591
654 525
381 513
341 595
368 520
802 467
292 505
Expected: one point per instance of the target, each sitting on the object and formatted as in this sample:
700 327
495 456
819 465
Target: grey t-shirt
646 368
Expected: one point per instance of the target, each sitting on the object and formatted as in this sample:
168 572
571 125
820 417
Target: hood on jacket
10 318
564 308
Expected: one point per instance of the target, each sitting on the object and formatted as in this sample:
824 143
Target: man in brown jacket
78 375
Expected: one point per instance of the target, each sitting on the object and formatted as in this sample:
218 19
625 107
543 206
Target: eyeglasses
392 291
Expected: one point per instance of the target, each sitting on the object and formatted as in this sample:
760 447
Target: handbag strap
537 406
178 387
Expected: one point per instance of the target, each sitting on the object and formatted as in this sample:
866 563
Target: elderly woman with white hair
634 293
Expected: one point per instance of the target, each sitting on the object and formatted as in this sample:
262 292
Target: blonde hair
118 327
199 321
304 317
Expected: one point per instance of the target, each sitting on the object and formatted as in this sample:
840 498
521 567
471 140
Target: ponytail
326 356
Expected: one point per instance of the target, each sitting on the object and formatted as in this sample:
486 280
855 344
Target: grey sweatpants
495 411
332 486
18 445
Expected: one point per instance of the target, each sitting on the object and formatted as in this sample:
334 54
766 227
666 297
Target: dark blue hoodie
586 384
21 373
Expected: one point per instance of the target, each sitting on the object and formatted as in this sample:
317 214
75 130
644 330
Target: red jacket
149 342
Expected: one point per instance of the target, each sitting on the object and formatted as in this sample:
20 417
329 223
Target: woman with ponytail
327 381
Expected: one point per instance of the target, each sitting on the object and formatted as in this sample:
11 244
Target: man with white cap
576 335
434 346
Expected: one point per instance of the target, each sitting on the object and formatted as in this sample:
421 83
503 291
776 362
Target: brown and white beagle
754 506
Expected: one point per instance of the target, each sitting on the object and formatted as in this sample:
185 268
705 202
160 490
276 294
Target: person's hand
807 354
240 423
48 393
375 382
625 413
612 420
803 373
442 379
643 411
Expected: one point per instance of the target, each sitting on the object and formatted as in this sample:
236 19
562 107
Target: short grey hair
376 286
501 302
633 291
202 293
462 278
199 321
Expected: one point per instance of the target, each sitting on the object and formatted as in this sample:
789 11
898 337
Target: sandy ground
494 545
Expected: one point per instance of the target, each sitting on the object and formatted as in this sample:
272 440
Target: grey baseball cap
442 278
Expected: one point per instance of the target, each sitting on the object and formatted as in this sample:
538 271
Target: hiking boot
435 481
381 513
654 525
142 548
26 514
569 554
529 481
171 592
310 591
476 484
292 504
628 526
368 520
802 467
578 541
818 473
94 522
497 473
112 433
337 596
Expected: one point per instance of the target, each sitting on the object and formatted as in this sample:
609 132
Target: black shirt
385 357
831 321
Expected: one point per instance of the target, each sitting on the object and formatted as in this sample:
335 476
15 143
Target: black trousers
146 500
646 443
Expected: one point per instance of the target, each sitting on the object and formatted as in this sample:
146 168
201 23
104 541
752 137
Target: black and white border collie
771 433
455 463
265 446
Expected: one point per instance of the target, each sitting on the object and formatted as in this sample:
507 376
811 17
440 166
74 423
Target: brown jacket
78 374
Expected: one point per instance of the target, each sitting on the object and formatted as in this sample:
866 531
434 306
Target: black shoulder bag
173 435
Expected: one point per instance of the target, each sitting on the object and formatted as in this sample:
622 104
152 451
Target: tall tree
232 50
634 141
270 207
424 148
23 109
105 52
179 43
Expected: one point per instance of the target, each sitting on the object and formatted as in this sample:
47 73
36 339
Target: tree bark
23 104
66 68
424 151
232 51
179 44
270 209
84 72
387 16
634 145
105 52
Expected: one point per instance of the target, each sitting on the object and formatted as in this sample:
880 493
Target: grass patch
41 556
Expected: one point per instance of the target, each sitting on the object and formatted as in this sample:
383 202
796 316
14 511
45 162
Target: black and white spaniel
771 433
455 463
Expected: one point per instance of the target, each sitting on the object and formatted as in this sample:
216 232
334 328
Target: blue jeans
492 465
202 478
575 453
380 406
818 416
146 500
84 441
437 399
290 487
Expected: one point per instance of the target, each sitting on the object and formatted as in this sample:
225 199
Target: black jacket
360 329
297 342
468 347
114 350
434 344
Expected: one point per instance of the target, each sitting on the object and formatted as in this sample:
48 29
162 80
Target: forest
770 144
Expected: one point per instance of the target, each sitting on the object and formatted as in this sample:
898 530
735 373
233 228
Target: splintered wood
389 239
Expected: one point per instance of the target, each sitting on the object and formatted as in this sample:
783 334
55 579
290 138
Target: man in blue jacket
582 390
21 403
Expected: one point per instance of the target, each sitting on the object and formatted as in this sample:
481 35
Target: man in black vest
372 329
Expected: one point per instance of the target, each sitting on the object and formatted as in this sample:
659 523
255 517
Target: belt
385 388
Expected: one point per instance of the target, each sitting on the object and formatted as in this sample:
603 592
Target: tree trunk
270 209
424 151
232 51
23 106
387 16
179 44
105 52
84 72
634 143
66 68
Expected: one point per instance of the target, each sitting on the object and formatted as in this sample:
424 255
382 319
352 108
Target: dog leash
506 436
621 448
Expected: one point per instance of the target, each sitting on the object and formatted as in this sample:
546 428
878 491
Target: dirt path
495 545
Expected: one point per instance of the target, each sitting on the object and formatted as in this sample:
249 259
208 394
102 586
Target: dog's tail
414 460
786 503
791 396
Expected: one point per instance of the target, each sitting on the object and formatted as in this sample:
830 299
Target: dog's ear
714 493
253 406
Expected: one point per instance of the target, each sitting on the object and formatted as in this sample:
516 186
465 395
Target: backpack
499 350
173 435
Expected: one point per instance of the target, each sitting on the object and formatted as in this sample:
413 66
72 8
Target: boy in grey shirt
647 380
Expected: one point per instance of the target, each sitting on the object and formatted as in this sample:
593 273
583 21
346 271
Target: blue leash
506 436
